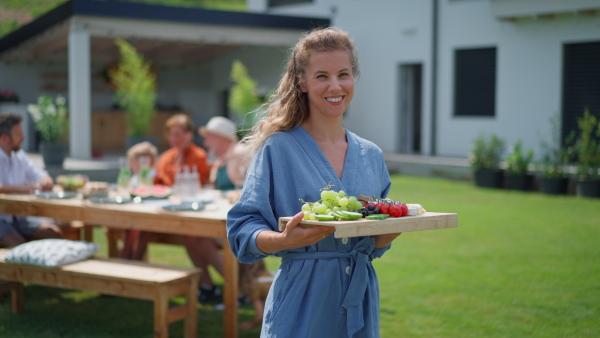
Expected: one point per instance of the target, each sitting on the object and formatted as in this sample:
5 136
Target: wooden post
230 293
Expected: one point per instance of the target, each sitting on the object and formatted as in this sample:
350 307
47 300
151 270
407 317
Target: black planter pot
554 186
519 182
489 178
53 153
588 188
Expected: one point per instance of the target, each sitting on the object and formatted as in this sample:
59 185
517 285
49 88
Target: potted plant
9 95
136 93
552 169
485 158
517 168
587 150
51 120
244 99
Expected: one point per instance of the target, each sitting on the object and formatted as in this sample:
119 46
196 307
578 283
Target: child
135 243
255 281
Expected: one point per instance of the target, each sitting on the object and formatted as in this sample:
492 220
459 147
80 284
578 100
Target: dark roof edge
35 27
144 11
153 12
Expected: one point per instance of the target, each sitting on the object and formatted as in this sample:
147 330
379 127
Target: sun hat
220 126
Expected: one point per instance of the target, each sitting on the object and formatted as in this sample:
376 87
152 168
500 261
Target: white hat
220 126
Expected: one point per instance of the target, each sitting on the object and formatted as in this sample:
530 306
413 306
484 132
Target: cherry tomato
404 209
384 208
395 210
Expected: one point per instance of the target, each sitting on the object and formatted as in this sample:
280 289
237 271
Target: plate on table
56 194
188 206
110 200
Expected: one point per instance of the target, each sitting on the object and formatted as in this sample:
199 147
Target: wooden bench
116 277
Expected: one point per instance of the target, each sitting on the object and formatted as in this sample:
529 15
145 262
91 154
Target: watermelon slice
157 191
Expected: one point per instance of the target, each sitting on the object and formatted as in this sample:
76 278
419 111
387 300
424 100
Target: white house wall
393 33
529 65
529 72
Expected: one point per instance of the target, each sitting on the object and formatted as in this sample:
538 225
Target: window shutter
581 84
475 82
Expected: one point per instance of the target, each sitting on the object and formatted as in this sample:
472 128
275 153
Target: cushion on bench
51 252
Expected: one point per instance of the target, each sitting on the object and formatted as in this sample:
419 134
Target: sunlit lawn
518 265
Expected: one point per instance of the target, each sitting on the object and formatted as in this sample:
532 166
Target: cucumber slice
347 215
325 218
352 215
377 216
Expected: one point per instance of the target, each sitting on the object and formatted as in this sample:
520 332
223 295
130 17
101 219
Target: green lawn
519 264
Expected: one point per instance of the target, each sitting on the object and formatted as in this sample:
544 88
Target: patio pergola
81 30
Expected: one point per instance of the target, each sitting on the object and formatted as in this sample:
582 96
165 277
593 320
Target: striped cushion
51 252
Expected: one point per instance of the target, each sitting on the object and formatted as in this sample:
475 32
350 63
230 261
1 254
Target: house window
276 3
475 82
581 83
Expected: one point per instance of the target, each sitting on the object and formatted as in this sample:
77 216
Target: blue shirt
329 289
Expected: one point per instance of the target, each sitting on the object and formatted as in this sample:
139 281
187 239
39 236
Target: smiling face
329 83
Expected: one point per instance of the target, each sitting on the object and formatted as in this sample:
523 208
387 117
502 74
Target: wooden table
146 217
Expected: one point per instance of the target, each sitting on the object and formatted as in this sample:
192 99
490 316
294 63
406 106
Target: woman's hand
381 241
293 236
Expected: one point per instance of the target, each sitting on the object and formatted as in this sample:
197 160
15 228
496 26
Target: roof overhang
512 10
164 34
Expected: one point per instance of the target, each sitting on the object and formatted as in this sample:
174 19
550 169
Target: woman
202 251
325 287
183 152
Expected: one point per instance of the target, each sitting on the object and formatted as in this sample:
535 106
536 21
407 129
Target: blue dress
329 289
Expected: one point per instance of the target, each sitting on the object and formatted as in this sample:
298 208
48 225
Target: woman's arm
292 237
381 241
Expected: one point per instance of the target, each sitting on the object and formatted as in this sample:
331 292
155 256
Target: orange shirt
166 169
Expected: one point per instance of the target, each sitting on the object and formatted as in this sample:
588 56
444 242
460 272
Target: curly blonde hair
288 107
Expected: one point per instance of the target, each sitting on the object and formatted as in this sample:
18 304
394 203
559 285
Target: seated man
18 175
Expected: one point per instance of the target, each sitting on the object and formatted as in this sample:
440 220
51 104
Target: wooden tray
367 227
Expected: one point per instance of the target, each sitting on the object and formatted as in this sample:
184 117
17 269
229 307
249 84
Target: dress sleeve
253 213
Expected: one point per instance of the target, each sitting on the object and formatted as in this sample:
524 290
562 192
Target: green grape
324 194
321 209
305 207
352 199
327 203
344 208
343 202
332 195
306 216
314 209
357 205
336 208
328 212
312 217
342 193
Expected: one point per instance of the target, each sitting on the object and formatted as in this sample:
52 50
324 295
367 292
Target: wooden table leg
230 293
17 293
161 309
191 326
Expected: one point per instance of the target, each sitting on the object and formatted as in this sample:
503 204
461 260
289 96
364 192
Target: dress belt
359 279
